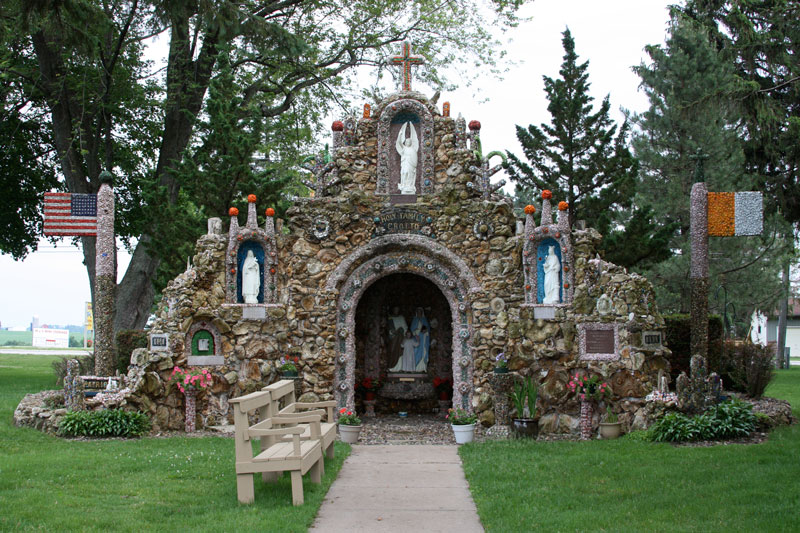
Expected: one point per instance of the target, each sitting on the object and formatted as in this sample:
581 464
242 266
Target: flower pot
463 433
610 430
526 428
501 370
290 373
349 434
369 396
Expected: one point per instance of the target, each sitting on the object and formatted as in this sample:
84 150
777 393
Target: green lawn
150 484
625 485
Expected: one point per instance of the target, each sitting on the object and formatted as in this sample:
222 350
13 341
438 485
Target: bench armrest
327 405
277 431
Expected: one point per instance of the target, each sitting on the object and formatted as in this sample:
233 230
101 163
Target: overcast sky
52 283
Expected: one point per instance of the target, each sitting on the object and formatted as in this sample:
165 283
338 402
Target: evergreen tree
582 159
685 82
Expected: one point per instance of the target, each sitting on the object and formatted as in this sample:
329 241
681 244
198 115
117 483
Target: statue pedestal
502 384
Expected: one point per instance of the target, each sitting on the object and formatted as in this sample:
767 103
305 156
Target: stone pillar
698 272
587 409
191 410
563 220
105 280
501 385
547 212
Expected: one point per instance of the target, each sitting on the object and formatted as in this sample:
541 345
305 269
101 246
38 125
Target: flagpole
105 281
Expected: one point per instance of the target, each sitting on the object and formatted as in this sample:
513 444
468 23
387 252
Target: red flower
251 198
563 206
547 194
233 211
529 209
270 212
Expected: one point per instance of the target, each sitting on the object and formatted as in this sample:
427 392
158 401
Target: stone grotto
404 266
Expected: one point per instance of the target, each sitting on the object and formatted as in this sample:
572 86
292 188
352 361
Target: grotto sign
402 220
598 341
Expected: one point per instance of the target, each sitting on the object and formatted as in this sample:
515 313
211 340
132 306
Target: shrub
746 367
726 420
126 342
85 367
75 342
16 343
105 423
677 337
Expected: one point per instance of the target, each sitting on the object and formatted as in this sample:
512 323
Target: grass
150 484
628 485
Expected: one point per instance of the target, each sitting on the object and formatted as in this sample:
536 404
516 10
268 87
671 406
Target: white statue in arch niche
552 281
251 279
407 148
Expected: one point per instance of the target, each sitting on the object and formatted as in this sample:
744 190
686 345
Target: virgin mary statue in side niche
251 279
552 283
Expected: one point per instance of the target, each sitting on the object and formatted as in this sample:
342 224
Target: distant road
33 351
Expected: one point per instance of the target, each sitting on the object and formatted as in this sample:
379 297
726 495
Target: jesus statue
407 148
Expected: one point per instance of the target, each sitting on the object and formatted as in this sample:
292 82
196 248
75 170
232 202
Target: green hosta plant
726 420
105 423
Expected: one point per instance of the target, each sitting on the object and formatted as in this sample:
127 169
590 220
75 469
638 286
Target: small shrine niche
250 257
547 259
251 264
203 345
405 144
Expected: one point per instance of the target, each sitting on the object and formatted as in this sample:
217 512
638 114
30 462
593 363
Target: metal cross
407 60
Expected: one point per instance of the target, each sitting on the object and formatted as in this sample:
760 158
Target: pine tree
582 159
686 82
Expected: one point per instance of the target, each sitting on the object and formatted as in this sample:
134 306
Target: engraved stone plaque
159 342
599 341
254 313
651 339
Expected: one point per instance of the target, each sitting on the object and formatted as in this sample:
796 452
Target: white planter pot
464 434
349 434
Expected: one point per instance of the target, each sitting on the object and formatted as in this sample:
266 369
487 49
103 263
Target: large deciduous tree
582 158
79 69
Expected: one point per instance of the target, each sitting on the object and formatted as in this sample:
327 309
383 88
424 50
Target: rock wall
332 247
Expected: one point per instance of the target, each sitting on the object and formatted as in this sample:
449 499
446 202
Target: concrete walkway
399 488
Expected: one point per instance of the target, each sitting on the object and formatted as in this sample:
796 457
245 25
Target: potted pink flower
189 382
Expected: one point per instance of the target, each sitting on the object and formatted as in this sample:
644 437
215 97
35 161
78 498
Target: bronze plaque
600 341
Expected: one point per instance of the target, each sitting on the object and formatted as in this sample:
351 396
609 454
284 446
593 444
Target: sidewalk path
399 488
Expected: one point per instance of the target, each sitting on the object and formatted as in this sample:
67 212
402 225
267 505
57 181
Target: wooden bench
282 449
283 405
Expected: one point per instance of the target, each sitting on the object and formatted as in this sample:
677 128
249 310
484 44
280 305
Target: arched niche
543 250
443 274
241 255
391 120
203 344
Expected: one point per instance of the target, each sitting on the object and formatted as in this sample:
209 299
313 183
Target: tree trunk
135 292
780 359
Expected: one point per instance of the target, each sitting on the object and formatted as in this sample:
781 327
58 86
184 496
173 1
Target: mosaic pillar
501 387
587 409
69 385
698 272
191 410
105 281
78 394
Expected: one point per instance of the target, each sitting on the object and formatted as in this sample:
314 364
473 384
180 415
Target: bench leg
317 471
329 451
244 488
297 487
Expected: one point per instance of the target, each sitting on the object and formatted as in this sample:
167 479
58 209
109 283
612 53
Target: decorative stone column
191 410
501 386
587 409
105 280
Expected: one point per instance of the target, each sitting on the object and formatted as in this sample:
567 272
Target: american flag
70 214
